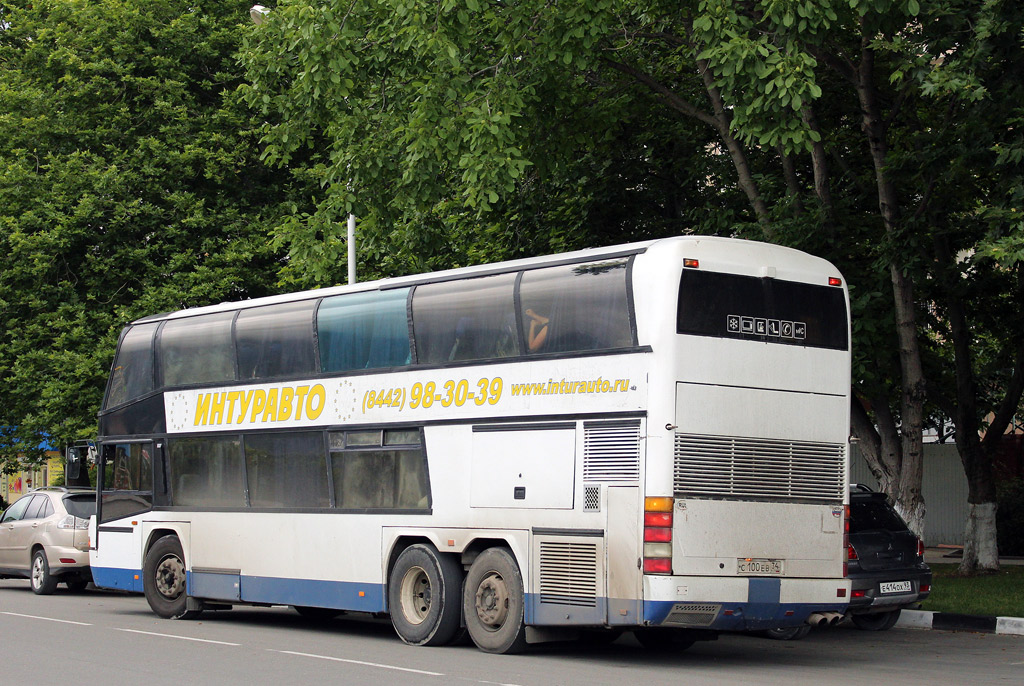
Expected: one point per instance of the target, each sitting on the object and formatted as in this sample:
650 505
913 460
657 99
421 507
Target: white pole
351 249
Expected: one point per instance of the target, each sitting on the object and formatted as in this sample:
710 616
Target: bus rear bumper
739 603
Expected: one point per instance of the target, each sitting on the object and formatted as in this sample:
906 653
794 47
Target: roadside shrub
1010 517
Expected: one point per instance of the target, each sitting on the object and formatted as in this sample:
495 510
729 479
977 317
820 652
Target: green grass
1000 594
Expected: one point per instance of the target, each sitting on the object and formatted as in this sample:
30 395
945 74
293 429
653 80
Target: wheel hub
170 577
492 601
416 595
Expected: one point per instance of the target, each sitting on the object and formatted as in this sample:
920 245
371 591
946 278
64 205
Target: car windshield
874 515
82 505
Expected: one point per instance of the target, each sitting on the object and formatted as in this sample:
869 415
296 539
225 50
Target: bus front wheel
493 603
163 579
423 595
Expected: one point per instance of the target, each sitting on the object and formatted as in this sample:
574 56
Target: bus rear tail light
658 535
835 281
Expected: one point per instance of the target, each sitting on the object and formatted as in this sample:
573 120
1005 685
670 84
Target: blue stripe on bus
114 577
344 595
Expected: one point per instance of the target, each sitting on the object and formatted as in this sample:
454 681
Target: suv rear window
874 515
82 506
761 309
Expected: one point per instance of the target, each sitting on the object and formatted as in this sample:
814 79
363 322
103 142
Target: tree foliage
883 135
130 184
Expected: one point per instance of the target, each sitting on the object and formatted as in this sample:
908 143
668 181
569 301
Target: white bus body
691 478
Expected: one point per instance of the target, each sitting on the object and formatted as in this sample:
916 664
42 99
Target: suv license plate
894 587
755 566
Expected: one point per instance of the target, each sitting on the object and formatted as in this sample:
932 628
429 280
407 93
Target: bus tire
493 603
163 579
423 596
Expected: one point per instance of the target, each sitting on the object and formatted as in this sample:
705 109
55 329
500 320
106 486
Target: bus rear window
761 309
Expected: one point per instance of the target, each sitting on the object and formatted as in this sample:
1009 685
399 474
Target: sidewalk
945 621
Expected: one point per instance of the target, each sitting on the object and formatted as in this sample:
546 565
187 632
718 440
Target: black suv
885 562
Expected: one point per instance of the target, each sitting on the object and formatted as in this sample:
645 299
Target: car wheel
789 633
164 580
76 585
43 583
880 621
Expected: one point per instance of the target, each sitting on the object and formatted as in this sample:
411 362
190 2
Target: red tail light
851 554
925 588
658 535
920 548
857 594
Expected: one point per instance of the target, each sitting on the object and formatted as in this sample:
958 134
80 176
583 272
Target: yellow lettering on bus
232 397
316 392
284 408
270 409
259 399
245 399
300 393
202 409
217 408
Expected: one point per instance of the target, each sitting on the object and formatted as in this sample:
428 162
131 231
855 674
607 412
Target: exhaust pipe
824 618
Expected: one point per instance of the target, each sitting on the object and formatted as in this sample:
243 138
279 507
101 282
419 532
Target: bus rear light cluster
851 554
658 535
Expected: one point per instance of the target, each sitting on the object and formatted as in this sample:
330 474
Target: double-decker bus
644 437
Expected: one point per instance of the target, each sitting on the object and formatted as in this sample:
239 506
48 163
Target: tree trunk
909 500
980 551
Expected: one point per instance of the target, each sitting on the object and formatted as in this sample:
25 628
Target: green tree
130 183
879 134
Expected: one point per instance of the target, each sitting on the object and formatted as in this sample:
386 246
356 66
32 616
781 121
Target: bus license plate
758 566
894 587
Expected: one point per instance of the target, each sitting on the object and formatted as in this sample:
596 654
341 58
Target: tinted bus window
127 479
368 476
206 472
576 307
132 375
761 309
364 331
197 350
472 319
287 470
275 341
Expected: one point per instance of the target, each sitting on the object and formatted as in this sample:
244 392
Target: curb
946 621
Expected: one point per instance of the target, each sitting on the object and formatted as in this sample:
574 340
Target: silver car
44 536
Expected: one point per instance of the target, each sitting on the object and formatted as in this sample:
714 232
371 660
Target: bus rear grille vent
568 573
591 498
730 466
611 451
692 615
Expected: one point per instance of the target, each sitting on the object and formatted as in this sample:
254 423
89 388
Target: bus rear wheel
163 579
493 603
423 596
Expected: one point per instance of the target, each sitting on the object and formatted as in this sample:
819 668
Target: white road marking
181 638
48 619
358 662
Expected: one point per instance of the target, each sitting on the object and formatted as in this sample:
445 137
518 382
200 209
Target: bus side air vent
740 467
568 573
611 451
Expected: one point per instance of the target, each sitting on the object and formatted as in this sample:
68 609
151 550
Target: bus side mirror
74 463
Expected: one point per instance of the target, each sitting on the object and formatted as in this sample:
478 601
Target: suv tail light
73 522
658 535
920 549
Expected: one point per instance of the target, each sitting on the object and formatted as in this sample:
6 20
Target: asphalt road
97 637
